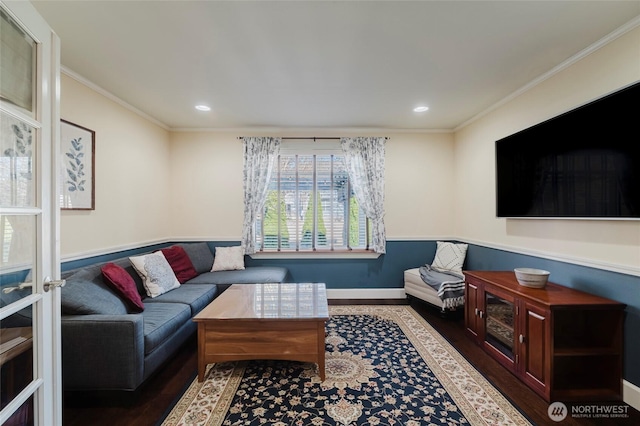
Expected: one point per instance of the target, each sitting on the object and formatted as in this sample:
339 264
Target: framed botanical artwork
77 168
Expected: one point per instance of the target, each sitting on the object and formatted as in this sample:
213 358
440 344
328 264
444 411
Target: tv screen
582 164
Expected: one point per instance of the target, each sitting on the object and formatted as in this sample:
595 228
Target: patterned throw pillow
449 256
123 285
156 273
228 259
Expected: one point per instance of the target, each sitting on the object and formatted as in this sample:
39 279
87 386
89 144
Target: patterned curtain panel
260 155
365 164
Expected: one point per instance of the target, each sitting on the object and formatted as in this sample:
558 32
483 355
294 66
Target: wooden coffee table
264 321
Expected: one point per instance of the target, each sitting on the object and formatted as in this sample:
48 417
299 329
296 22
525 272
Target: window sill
319 254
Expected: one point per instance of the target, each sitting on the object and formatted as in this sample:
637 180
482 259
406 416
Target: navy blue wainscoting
80 263
386 271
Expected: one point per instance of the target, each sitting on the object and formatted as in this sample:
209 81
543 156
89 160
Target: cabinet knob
477 311
521 338
481 313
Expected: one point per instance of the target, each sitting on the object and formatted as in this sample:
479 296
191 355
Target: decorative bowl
530 277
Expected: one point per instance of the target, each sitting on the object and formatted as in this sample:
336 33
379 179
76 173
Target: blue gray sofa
106 348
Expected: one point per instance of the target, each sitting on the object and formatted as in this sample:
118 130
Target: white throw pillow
449 256
156 273
228 259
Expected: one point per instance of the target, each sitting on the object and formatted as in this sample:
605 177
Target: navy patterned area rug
385 365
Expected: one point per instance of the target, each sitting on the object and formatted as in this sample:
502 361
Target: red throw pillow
180 263
121 282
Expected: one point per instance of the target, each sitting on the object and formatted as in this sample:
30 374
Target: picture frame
77 167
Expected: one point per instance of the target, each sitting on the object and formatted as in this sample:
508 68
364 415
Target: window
310 205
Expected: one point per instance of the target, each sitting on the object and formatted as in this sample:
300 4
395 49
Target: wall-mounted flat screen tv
582 164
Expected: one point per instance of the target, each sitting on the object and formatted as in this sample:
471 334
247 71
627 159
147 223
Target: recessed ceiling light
421 109
203 108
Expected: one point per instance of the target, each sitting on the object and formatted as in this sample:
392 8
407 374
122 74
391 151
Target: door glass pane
17 60
500 324
16 356
17 161
24 415
17 256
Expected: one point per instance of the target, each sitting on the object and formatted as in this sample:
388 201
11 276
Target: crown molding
317 131
557 69
82 80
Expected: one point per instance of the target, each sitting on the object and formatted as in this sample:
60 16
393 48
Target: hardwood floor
162 390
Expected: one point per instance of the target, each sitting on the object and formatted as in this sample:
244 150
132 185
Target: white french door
30 378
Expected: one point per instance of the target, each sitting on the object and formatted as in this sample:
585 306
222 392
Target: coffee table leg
201 341
321 350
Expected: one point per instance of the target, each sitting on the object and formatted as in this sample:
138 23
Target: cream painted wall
143 201
132 176
153 185
206 183
610 244
419 186
206 170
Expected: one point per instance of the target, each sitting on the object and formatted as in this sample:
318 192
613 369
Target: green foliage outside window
354 231
307 227
270 222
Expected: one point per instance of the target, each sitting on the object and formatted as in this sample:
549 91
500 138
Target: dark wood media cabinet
563 343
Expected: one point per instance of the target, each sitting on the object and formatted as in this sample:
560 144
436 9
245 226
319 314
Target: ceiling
323 64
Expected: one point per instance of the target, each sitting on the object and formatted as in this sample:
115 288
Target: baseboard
631 394
366 293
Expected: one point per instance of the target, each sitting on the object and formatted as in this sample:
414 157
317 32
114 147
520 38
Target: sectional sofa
112 344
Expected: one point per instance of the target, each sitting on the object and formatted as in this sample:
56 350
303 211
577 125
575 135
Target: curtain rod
310 138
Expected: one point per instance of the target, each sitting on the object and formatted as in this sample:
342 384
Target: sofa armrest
102 352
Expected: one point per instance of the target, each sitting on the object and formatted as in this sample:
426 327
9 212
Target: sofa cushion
161 321
253 274
156 273
123 285
200 255
180 263
86 293
197 296
228 259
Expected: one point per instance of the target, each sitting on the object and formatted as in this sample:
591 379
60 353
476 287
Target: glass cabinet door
500 324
